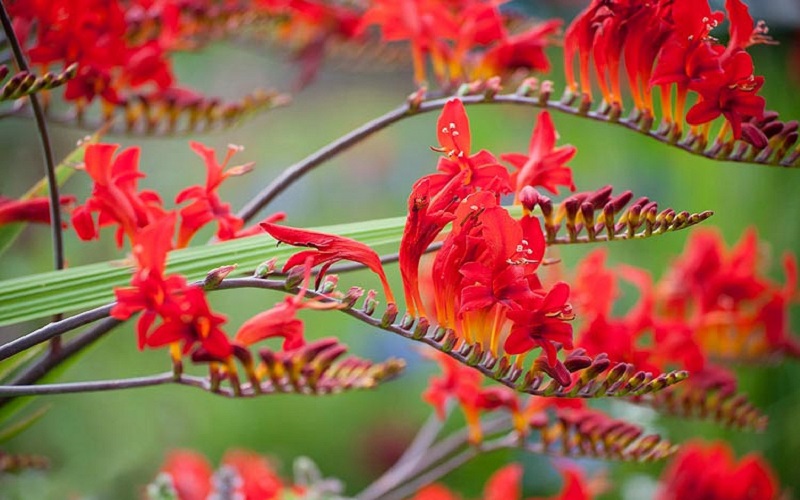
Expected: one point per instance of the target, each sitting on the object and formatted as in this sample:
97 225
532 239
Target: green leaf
83 287
64 170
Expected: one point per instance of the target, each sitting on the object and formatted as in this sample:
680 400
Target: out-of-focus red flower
36 210
463 384
710 471
521 51
115 197
207 205
435 492
327 250
193 478
426 24
545 164
504 484
190 474
258 479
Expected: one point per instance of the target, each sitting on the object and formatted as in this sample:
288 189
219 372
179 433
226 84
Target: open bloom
206 205
116 197
710 471
545 164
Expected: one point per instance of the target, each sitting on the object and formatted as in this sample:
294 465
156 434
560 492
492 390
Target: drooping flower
327 250
545 164
207 205
520 51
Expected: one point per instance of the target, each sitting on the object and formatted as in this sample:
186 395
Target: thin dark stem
299 169
44 136
408 461
52 330
91 386
296 171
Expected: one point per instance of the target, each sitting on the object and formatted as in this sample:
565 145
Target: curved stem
53 330
92 386
44 136
296 171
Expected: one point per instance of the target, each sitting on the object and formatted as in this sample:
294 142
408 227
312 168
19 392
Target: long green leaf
83 287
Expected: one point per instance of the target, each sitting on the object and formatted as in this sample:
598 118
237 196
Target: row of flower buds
15 463
581 432
597 216
718 402
315 368
25 83
582 376
174 112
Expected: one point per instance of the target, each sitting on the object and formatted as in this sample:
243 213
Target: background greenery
109 445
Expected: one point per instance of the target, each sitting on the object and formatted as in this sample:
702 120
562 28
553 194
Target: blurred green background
109 445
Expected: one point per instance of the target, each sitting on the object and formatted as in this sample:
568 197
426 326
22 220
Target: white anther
452 125
460 154
445 130
455 133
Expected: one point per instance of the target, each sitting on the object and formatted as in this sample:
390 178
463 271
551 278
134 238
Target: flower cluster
666 44
483 280
465 40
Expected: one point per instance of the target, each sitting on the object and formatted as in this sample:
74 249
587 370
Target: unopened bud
329 283
294 277
351 297
370 303
265 268
215 276
529 198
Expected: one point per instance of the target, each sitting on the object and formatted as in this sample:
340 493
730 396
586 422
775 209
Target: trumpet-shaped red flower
35 210
207 205
186 316
486 267
543 322
545 164
115 197
327 250
455 141
281 320
429 212
710 471
732 94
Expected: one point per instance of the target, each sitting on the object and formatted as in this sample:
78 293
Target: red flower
542 323
207 205
435 492
190 474
190 321
115 197
429 212
463 384
711 472
732 94
521 51
483 170
544 164
258 478
328 249
35 210
186 316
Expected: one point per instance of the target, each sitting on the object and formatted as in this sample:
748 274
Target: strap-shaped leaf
584 432
25 83
598 216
